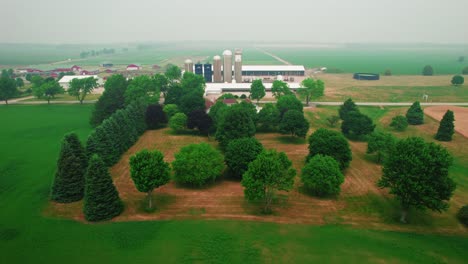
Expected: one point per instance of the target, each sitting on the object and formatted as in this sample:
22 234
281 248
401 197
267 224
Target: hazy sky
326 21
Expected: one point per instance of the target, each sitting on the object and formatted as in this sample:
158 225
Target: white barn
65 81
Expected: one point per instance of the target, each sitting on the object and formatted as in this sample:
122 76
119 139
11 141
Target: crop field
32 231
48 57
401 60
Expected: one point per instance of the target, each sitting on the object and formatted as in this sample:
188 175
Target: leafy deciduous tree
330 143
236 123
149 171
239 153
311 88
269 172
289 102
418 174
280 88
82 87
294 123
269 117
7 89
257 90
48 90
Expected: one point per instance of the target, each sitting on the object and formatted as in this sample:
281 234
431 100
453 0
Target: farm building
107 64
273 70
65 81
133 67
216 88
76 68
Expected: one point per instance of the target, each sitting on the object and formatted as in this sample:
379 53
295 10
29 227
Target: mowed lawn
29 144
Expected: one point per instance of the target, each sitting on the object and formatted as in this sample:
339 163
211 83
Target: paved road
379 103
274 56
21 101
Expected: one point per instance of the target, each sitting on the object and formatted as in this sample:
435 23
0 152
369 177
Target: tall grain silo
238 66
208 72
199 68
217 78
188 65
227 66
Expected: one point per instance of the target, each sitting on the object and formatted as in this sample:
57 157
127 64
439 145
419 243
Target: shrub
415 114
197 164
462 215
399 123
330 143
239 153
178 122
170 110
322 176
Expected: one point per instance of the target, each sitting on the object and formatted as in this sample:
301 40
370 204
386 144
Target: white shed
65 81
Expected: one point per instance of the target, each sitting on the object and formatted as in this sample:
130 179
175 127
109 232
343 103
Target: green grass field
30 141
401 60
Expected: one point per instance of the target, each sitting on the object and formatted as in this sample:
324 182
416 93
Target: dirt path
274 56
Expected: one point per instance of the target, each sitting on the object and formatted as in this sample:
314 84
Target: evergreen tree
155 116
415 114
357 125
102 201
69 180
347 107
446 127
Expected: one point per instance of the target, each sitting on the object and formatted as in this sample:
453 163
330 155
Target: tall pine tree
102 201
446 127
69 180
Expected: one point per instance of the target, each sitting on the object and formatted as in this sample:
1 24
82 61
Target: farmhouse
133 67
65 81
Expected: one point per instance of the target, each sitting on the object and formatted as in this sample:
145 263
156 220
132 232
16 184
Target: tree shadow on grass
160 202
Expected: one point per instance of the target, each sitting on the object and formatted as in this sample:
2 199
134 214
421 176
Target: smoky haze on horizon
327 21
